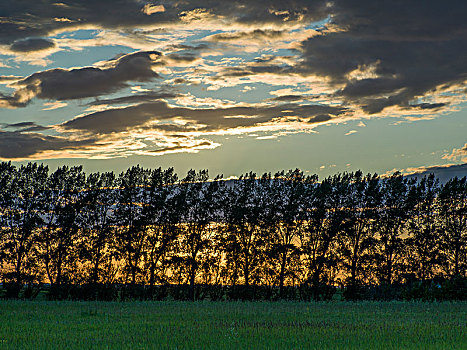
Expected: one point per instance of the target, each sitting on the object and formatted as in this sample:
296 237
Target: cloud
30 18
400 50
136 98
49 106
19 145
371 60
200 119
320 118
257 34
25 126
68 84
8 79
384 58
287 98
20 125
156 128
180 147
22 144
149 9
256 68
428 105
32 44
457 153
442 172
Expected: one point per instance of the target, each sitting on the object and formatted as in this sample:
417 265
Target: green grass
232 325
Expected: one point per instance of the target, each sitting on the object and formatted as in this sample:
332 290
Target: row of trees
147 227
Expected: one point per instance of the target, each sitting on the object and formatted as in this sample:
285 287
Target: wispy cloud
457 154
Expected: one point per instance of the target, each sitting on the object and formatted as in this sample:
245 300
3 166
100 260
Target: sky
235 86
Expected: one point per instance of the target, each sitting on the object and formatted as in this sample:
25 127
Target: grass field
232 325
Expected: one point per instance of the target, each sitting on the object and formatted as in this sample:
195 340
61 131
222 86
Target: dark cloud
266 64
184 58
185 47
376 54
32 44
287 98
254 69
254 34
136 98
408 48
25 126
31 18
67 84
429 105
320 118
14 101
271 11
401 20
183 148
205 119
17 145
180 81
36 128
20 125
28 18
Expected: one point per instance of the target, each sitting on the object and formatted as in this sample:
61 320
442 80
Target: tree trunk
456 258
246 272
192 279
282 274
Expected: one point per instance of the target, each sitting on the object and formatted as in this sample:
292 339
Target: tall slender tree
243 239
318 239
358 231
396 206
22 220
161 217
198 198
452 202
285 215
130 231
95 220
424 241
58 237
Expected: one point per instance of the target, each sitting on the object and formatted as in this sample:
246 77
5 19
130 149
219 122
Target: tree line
148 233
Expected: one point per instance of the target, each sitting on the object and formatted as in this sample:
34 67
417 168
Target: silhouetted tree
243 239
95 220
260 235
392 218
198 200
7 208
161 216
358 234
452 202
285 213
58 236
318 239
423 242
24 194
130 230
